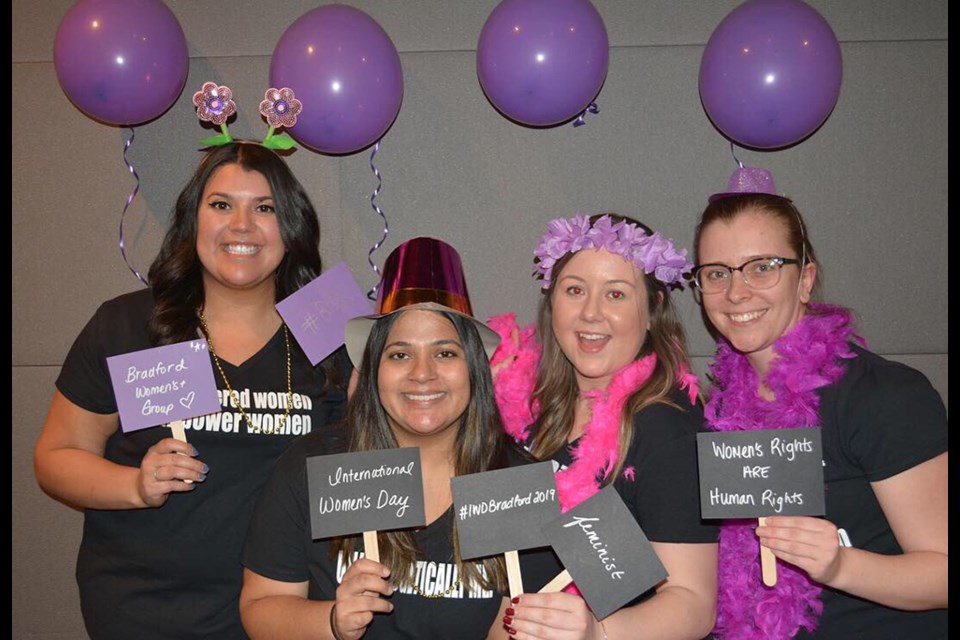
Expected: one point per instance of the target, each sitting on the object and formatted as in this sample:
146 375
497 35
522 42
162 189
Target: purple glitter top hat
422 273
747 180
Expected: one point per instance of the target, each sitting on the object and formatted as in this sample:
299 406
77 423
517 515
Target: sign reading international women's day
502 510
163 384
767 472
365 491
317 312
605 551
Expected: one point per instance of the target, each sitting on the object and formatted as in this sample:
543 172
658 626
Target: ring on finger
155 477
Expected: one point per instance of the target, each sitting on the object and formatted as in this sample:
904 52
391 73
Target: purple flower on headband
280 107
653 253
214 103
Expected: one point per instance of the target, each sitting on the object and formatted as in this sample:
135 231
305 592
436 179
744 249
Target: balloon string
133 194
593 108
372 294
734 154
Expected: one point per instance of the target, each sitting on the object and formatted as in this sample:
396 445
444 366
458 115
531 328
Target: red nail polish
510 611
506 621
511 632
516 600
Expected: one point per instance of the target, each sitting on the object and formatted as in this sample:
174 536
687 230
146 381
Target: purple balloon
122 62
770 74
345 70
542 62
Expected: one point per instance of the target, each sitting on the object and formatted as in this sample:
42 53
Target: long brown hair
481 445
557 390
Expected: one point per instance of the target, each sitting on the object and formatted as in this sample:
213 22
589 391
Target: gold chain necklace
236 397
451 589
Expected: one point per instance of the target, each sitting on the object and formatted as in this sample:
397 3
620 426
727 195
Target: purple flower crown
652 253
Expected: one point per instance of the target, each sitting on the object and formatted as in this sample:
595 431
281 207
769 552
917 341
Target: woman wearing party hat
424 381
611 399
876 565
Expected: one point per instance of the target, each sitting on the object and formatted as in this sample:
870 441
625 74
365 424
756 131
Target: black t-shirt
663 489
174 572
880 419
279 546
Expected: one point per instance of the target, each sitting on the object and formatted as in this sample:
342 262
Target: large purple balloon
541 62
122 62
345 70
770 74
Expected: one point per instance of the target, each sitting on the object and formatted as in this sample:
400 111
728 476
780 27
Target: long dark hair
176 275
481 445
557 390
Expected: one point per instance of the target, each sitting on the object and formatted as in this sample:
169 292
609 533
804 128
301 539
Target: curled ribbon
133 194
593 108
372 294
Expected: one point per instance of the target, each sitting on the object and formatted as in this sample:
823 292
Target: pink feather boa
598 449
808 358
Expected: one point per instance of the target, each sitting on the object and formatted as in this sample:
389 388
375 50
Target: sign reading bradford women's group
365 491
768 472
605 551
163 384
502 510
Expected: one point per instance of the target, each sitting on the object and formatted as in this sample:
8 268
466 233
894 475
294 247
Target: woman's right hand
169 466
552 616
358 598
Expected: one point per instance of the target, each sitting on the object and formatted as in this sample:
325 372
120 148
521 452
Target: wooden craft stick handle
371 548
768 561
179 433
513 573
561 580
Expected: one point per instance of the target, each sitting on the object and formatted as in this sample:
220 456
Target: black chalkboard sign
768 472
365 491
605 551
502 510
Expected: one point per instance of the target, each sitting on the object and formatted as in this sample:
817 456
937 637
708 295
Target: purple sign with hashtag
163 384
317 313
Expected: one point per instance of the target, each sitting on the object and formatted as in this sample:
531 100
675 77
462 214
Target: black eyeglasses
759 273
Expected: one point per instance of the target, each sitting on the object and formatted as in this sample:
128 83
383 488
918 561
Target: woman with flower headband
612 401
165 520
876 565
424 381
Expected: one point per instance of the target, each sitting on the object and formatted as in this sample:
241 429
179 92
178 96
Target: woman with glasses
876 565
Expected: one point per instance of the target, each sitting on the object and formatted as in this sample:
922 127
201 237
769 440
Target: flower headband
652 253
279 106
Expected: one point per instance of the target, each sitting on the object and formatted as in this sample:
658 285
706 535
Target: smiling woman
243 236
424 381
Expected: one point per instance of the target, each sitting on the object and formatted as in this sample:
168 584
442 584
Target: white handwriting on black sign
384 499
598 545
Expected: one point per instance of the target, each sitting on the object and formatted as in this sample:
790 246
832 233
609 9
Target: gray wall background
872 184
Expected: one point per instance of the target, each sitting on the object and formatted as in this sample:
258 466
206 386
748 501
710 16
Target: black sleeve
279 528
664 492
118 326
891 419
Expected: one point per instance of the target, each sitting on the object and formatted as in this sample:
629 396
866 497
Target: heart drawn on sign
186 402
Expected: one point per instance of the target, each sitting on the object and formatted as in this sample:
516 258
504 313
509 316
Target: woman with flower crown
876 565
164 519
610 398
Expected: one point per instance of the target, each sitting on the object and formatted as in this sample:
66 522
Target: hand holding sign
164 384
754 474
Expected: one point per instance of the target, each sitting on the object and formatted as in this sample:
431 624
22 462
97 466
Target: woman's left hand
553 616
808 543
